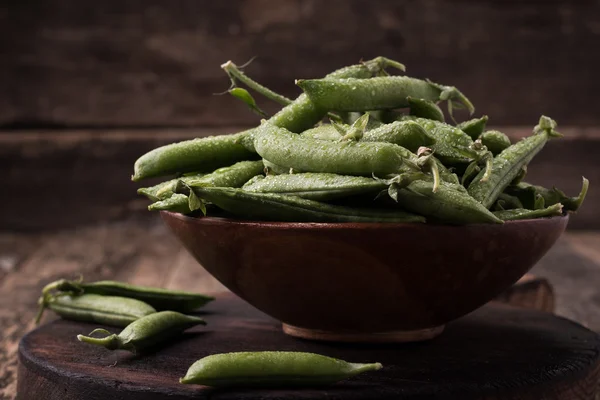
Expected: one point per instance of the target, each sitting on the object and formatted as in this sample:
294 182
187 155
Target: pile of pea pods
153 316
359 145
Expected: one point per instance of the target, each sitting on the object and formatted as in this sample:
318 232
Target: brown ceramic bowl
365 281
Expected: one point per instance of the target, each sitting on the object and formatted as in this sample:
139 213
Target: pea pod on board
522 213
145 332
378 93
272 368
316 186
106 310
507 165
277 207
474 127
160 299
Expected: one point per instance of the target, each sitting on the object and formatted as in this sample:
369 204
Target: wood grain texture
83 176
494 353
156 63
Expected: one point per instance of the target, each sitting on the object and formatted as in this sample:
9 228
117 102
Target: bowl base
417 335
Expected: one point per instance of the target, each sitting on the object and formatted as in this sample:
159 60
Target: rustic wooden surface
495 353
63 179
156 63
141 251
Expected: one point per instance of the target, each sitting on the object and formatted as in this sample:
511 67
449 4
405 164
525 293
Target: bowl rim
347 225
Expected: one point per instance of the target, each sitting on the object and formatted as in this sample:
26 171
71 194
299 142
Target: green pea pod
233 176
177 202
345 158
522 213
449 204
474 127
107 310
164 190
316 186
160 299
452 146
378 93
271 369
507 165
425 109
407 134
277 207
145 332
323 132
528 194
246 97
495 141
202 155
507 202
520 176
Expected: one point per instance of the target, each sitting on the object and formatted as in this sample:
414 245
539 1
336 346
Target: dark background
87 87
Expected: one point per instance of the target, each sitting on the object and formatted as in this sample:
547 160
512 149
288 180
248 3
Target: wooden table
142 251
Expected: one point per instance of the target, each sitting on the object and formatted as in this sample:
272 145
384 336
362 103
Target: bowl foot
417 335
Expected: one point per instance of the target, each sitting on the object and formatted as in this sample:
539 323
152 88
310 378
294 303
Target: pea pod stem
235 73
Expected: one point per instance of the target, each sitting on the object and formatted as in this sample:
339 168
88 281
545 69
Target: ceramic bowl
370 282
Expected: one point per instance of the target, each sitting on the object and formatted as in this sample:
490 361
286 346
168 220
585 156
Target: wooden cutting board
497 352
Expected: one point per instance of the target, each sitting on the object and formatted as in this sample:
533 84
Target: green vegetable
202 155
378 93
425 109
277 207
408 134
495 141
246 97
233 176
521 213
315 186
474 127
160 299
528 194
449 204
106 310
145 332
345 158
507 165
271 368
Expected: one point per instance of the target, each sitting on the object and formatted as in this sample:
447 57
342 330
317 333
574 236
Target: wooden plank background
156 63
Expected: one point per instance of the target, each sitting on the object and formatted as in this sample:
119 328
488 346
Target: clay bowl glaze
371 282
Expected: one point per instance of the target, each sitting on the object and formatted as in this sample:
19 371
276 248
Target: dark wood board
498 352
156 63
